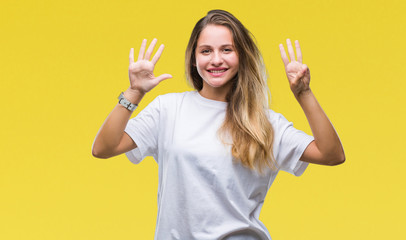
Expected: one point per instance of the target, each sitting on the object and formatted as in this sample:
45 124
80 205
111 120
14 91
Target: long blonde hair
246 120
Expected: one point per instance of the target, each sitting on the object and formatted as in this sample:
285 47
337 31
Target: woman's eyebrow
209 46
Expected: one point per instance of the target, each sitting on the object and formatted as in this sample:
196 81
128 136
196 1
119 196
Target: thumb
163 77
301 72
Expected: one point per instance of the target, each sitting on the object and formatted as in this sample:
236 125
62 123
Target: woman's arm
111 140
326 149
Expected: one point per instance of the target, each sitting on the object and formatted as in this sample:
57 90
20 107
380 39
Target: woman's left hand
298 73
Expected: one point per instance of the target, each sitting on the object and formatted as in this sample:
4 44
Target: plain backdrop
64 63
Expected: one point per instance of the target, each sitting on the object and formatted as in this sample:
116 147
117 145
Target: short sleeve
144 129
291 143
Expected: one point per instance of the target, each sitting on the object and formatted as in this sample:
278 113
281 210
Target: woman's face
216 57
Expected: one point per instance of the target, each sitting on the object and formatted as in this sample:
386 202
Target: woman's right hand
141 72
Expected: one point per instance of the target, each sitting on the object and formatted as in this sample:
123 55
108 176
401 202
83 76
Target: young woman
218 148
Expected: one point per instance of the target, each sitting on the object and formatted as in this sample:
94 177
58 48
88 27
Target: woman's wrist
134 96
303 94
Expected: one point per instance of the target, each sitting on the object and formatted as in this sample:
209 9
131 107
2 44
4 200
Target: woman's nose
216 59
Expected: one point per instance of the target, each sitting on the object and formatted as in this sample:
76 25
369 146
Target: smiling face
216 60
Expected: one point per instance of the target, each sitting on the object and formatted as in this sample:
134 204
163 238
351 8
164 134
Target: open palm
141 72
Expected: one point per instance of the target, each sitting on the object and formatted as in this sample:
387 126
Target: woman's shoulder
274 116
175 95
277 119
169 100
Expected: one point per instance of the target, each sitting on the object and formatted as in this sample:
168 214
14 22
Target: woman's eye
228 50
205 51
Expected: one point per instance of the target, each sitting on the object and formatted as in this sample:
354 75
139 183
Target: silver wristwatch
127 104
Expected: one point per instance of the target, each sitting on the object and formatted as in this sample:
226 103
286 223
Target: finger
163 77
150 49
302 72
283 55
304 68
290 50
157 54
131 55
298 52
299 75
142 49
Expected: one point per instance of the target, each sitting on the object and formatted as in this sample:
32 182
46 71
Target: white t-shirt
202 193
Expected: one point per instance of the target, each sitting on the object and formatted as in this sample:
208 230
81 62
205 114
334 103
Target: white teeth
217 71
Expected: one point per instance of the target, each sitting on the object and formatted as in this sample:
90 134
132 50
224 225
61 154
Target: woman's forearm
109 140
325 136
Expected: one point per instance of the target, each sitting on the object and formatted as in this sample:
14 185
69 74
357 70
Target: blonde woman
218 148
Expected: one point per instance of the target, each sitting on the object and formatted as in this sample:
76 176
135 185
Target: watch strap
125 103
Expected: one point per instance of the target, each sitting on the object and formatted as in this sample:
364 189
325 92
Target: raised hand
298 73
141 72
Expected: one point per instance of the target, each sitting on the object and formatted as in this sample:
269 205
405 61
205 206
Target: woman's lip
217 74
217 69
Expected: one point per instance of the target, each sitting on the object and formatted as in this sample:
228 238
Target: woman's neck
215 93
